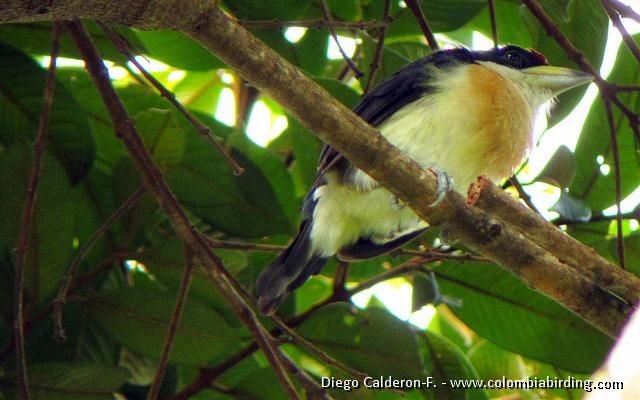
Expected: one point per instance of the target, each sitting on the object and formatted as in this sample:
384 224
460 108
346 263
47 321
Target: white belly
428 130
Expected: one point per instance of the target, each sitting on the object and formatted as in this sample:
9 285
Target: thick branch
367 149
585 260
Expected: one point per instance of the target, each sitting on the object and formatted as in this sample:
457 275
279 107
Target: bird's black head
512 56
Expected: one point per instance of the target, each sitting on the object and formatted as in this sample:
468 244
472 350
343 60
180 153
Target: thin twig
615 151
634 120
297 339
123 46
634 214
436 255
627 88
340 279
552 29
494 23
27 216
206 376
376 61
416 9
312 389
169 339
61 297
317 23
607 89
327 16
229 244
315 351
626 36
209 375
523 194
625 10
156 184
81 282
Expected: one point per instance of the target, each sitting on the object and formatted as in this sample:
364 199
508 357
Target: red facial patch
539 57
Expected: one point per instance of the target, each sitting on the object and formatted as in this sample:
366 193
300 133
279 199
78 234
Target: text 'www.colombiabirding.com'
388 382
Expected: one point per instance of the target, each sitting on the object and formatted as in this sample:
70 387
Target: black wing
384 100
395 92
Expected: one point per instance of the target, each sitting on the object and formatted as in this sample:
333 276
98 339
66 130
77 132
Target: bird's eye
513 58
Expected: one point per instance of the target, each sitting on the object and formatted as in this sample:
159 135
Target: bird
458 112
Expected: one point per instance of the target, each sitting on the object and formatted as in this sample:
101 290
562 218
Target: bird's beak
557 79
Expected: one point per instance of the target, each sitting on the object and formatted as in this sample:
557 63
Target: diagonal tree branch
67 279
27 217
494 23
615 151
125 49
155 183
327 15
365 147
176 315
376 61
416 9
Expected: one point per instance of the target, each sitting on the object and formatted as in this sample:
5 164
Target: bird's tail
289 271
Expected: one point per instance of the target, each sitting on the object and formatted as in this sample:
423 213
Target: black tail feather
289 271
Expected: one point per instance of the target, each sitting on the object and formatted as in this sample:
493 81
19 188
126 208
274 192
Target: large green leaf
597 189
70 381
370 340
35 38
391 61
50 245
444 362
586 25
504 310
165 261
509 22
245 205
262 10
257 203
21 87
178 50
138 318
443 16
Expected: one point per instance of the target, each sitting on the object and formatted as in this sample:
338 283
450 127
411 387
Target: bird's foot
443 181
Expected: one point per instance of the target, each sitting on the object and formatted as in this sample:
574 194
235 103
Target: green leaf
505 311
371 340
50 245
392 61
200 91
305 147
138 318
178 50
347 10
493 362
444 361
21 89
163 136
35 38
165 261
443 16
586 25
68 381
262 10
631 251
590 184
245 205
338 89
311 51
560 170
509 20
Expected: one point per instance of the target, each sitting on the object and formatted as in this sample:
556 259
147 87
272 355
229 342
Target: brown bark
578 288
